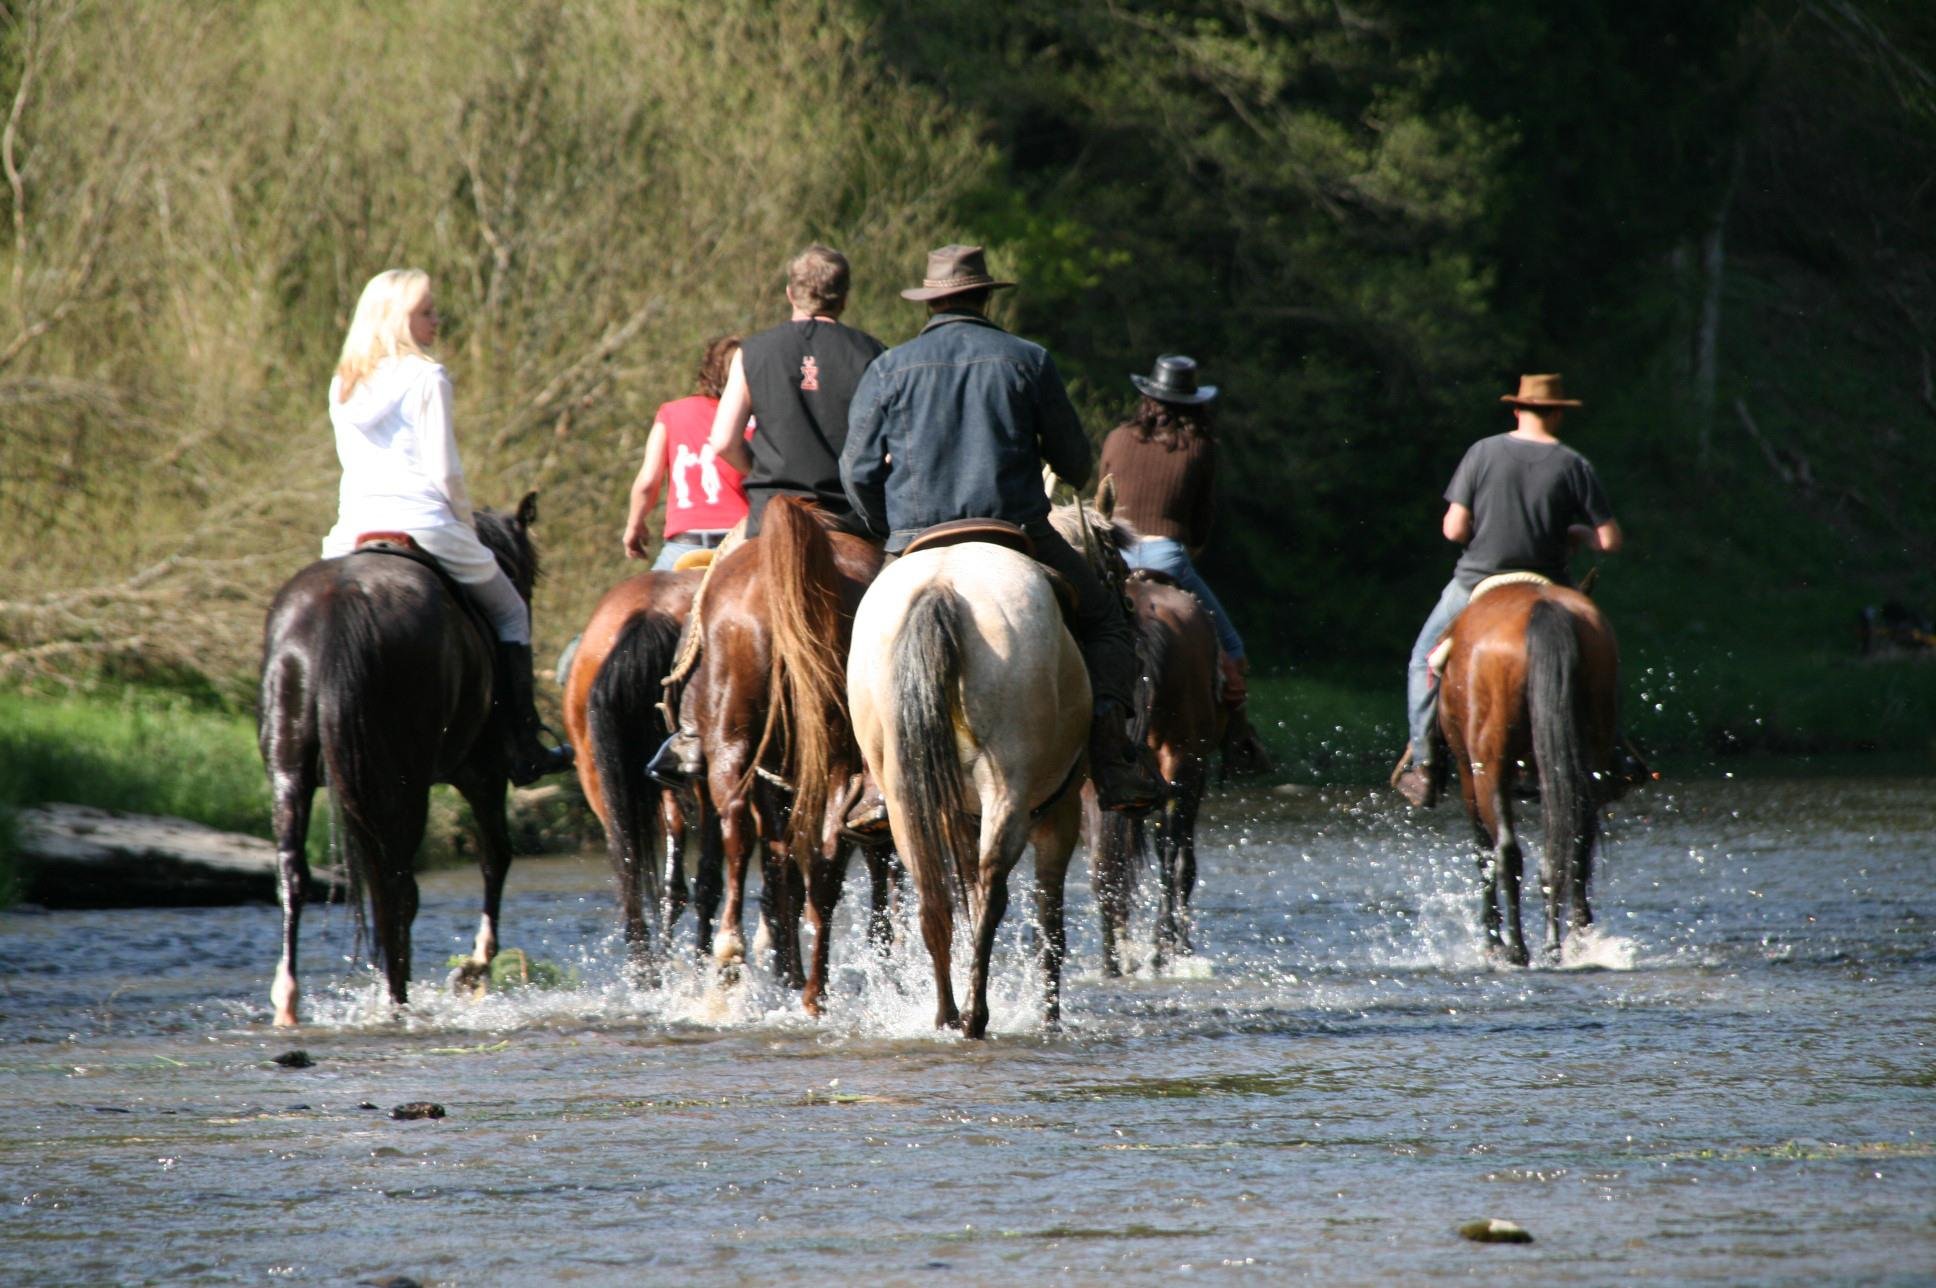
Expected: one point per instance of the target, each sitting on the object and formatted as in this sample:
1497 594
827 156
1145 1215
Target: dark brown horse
1531 689
1180 716
375 675
613 719
769 700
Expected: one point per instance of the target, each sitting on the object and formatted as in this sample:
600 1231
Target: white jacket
399 453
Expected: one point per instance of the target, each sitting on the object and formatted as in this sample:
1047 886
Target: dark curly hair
714 367
1173 425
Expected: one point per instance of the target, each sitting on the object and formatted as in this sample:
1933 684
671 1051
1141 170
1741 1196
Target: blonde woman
390 407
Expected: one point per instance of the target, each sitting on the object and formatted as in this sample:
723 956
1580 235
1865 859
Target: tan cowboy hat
952 270
1541 391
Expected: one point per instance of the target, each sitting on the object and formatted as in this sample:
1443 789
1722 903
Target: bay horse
971 703
614 720
1180 716
376 676
1530 686
770 705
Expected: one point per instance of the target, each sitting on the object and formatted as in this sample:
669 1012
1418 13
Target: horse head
509 538
1098 534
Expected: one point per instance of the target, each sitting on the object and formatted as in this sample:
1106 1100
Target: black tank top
801 376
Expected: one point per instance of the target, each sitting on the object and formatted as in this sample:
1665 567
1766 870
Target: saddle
999 532
403 546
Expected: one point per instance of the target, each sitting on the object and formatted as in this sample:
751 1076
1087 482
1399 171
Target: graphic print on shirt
685 459
809 373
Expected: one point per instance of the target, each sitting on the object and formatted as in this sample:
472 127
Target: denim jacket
955 424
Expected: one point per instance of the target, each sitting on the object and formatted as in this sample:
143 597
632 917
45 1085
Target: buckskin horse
376 674
771 709
612 716
1180 716
971 704
1531 679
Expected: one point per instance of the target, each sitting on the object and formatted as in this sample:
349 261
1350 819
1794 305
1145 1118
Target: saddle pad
998 532
1499 579
387 541
694 559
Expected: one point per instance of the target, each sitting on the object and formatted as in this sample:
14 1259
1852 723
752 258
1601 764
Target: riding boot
1630 768
680 760
1243 751
1124 771
1417 777
866 818
530 758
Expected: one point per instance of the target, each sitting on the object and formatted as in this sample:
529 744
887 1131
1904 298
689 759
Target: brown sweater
1164 491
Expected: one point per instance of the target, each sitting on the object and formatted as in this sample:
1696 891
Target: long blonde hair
381 327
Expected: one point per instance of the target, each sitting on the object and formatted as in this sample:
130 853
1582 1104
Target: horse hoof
469 980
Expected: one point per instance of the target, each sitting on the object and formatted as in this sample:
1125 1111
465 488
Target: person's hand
634 540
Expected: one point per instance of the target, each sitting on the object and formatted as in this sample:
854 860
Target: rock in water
76 856
1494 1230
294 1060
417 1109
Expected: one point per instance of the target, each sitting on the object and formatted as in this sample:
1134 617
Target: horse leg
1109 869
824 884
1187 803
295 796
937 918
881 889
1001 843
782 892
708 881
736 839
1163 826
1582 916
486 799
1054 837
1490 793
672 863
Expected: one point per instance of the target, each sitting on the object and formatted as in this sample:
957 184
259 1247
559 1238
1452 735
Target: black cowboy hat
952 270
1174 380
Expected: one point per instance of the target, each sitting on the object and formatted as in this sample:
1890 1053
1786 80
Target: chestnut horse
1532 679
1180 715
770 705
971 703
613 719
376 676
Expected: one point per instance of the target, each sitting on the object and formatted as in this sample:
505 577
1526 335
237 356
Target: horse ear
528 510
1106 497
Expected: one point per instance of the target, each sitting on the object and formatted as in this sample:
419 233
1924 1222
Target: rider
705 501
1519 501
794 381
389 404
955 424
1164 461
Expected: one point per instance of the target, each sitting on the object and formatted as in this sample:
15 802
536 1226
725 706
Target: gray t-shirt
1523 495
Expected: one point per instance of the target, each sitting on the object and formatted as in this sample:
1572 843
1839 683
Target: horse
613 719
1532 678
1181 716
971 704
768 701
377 676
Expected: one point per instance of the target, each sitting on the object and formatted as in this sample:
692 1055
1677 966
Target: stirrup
673 765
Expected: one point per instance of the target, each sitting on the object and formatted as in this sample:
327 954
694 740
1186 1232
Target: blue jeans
1421 694
683 544
1167 556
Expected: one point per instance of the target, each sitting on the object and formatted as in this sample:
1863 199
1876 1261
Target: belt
705 539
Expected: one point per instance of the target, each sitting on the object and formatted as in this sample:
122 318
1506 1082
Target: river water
1734 1081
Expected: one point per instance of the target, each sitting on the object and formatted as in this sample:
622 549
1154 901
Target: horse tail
625 726
365 768
807 687
927 678
1553 699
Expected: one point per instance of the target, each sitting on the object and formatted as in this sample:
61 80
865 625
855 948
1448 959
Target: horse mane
1114 534
515 554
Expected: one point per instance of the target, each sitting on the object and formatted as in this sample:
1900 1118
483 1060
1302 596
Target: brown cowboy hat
1541 391
952 270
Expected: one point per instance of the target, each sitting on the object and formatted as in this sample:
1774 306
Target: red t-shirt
706 499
